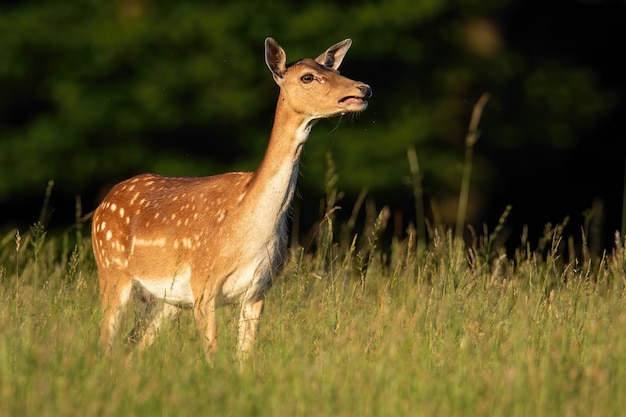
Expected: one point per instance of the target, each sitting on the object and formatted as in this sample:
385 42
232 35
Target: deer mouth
353 101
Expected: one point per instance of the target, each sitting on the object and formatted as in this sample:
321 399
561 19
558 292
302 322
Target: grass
430 326
348 330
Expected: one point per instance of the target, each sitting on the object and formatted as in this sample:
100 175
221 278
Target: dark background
96 91
587 179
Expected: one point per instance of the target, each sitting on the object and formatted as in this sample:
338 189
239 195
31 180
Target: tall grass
429 327
348 330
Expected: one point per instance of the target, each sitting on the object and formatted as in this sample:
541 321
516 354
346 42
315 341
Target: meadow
432 323
419 328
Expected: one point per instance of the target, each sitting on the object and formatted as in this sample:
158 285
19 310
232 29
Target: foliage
94 91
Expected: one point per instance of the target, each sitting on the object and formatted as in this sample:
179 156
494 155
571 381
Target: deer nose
366 90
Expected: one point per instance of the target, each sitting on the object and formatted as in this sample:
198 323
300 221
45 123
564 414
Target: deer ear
334 55
275 59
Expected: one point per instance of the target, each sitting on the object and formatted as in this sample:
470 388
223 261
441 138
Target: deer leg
251 310
204 312
145 310
115 294
166 312
149 315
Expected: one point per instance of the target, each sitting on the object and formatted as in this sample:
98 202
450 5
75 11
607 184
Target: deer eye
307 78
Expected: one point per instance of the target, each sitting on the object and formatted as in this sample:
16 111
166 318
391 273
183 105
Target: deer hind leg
166 312
249 318
150 312
115 291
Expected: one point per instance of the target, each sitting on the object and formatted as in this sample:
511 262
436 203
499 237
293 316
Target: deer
202 242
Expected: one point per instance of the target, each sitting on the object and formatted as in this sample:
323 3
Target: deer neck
273 184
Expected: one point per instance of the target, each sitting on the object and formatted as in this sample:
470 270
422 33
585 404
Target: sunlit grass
429 326
347 331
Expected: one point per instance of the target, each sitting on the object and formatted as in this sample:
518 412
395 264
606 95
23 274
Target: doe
198 242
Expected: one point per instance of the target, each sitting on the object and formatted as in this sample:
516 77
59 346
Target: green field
415 330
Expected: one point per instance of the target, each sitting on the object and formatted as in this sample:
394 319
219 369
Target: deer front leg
204 312
251 310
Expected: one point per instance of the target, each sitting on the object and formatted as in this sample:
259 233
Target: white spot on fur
121 262
150 242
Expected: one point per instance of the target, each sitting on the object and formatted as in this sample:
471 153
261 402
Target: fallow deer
198 242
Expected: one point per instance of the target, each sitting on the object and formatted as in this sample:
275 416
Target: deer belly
174 289
249 279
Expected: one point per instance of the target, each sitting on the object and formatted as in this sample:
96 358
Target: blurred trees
94 91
